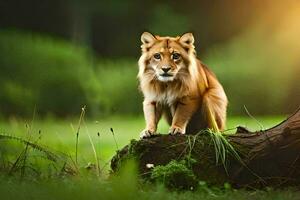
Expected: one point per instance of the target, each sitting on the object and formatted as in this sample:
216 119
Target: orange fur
176 83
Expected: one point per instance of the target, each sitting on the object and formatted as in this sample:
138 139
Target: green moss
132 146
175 174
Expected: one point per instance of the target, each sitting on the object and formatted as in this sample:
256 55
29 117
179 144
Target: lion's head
166 59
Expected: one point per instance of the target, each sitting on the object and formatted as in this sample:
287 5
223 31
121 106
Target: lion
179 86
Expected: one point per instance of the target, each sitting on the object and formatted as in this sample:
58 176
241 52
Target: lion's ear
147 38
187 39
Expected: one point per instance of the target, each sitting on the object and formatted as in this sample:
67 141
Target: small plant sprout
98 144
81 121
78 130
94 151
113 134
23 156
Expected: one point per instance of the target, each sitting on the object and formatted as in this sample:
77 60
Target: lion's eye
157 56
175 56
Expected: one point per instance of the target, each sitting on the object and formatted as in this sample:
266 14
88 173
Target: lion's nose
166 69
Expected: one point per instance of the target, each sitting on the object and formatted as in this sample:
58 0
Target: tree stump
269 157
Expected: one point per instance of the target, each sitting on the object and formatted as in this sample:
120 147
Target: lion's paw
147 133
176 131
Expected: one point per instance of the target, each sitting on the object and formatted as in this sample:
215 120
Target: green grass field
60 135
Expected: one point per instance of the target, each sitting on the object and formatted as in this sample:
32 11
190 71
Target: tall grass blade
94 150
113 134
78 130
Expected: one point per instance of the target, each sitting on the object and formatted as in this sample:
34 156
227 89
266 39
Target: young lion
175 83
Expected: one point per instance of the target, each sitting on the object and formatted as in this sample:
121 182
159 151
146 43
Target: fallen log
266 158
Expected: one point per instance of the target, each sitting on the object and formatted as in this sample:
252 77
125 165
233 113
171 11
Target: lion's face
166 58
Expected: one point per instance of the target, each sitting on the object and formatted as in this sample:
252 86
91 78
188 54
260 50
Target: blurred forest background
58 55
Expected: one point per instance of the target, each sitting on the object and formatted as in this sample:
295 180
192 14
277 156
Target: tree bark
268 157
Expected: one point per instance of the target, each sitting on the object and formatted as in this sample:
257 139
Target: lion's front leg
152 114
183 112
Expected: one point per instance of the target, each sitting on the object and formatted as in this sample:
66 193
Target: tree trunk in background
80 23
270 157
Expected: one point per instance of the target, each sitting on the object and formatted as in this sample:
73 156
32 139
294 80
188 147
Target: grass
59 135
89 189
